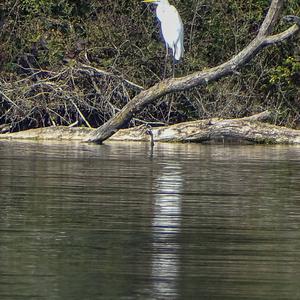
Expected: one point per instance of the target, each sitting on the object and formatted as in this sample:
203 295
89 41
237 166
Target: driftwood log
263 39
244 130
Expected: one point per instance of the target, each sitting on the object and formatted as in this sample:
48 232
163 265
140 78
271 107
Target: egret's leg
173 67
166 61
173 61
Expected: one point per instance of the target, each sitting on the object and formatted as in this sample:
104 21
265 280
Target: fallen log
215 131
56 133
244 130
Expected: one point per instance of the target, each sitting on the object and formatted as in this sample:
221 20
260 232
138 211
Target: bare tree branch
271 18
276 38
8 99
293 19
172 85
88 69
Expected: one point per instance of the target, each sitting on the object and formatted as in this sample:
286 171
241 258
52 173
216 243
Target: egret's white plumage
171 26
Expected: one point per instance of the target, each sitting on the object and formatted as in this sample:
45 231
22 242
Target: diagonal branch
276 38
271 18
172 85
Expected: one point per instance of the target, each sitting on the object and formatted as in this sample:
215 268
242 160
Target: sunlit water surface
119 222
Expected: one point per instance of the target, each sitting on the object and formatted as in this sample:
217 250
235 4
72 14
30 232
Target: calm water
115 222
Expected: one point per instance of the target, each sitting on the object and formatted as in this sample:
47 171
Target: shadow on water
119 222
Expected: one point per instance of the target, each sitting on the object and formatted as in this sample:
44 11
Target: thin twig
9 100
81 114
105 73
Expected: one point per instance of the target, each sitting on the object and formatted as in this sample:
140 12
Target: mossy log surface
244 130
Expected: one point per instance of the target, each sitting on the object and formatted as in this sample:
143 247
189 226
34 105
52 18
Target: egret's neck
163 3
161 9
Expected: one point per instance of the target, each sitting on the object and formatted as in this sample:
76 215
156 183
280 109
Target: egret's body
171 26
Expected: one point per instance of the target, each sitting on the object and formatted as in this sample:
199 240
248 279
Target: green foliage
286 74
36 6
48 7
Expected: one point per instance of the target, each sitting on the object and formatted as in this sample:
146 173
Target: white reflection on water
166 225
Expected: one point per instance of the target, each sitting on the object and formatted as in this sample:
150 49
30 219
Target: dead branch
93 71
171 85
8 99
44 97
292 19
81 114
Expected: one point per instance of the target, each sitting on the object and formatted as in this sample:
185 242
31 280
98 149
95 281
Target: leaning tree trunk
171 85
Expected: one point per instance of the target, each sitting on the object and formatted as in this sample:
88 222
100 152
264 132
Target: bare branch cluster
74 95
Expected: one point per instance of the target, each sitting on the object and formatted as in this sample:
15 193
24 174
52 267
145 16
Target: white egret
171 26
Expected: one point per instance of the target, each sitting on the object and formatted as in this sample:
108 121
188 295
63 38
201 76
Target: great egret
171 26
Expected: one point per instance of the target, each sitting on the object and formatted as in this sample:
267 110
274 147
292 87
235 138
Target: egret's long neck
161 9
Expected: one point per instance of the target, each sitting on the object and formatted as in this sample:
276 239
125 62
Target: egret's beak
149 1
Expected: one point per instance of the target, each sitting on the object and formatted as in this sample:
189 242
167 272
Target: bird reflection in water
166 225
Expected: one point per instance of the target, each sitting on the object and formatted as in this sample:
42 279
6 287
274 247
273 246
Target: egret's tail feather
178 51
